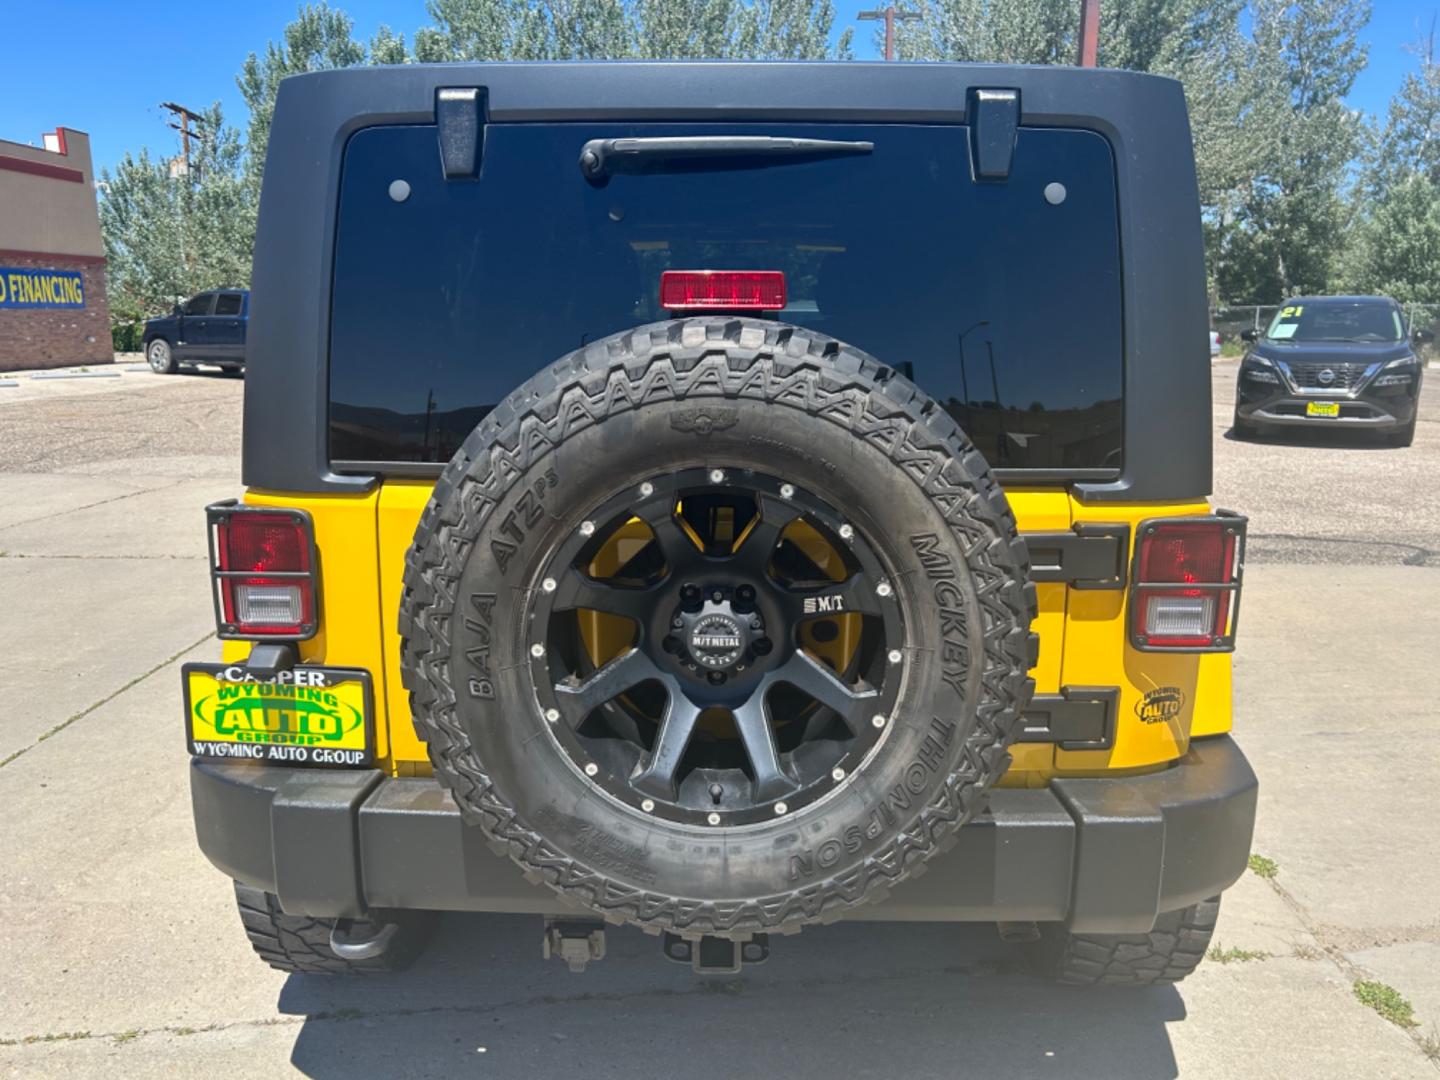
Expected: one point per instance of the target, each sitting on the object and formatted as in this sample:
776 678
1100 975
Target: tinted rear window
1003 305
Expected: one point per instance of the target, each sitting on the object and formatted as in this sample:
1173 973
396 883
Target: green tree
685 29
169 233
789 30
1410 138
1400 242
1293 212
320 37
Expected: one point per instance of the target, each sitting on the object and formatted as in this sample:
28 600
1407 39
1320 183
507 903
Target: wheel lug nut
552 715
587 528
648 806
713 818
677 623
592 769
878 720
847 532
647 489
787 491
837 774
755 622
717 596
716 677
883 589
896 656
717 476
548 584
781 808
537 650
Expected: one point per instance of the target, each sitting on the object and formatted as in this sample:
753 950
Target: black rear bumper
1104 855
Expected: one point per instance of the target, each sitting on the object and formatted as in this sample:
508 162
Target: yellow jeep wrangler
704 496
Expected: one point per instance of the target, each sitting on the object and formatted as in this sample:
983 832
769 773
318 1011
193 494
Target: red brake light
263 569
724 290
1185 588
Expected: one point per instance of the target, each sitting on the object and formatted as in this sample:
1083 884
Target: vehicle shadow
1315 438
888 1000
210 371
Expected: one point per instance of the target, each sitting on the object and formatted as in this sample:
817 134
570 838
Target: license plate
1322 408
308 716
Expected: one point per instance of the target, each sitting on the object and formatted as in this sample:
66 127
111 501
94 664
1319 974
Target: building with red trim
52 261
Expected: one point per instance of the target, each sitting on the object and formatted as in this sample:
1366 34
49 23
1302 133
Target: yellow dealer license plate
306 716
1322 408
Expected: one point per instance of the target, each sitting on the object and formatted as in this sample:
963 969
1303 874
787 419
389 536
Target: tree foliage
1298 193
169 233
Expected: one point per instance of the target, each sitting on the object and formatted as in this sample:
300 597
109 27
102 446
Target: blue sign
23 288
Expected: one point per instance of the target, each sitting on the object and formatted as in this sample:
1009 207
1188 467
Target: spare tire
717 626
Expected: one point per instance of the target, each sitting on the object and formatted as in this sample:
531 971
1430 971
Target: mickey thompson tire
1168 953
299 943
732 394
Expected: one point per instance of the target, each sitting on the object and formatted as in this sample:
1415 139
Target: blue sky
120 61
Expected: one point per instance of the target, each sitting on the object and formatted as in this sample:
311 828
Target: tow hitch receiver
711 955
576 941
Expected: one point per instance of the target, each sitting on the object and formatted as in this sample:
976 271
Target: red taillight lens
726 290
263 571
1185 588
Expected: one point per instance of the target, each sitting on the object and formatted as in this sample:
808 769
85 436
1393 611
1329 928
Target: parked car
598 562
1214 344
207 329
1343 362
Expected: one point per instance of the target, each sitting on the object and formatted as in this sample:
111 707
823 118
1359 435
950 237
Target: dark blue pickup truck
206 329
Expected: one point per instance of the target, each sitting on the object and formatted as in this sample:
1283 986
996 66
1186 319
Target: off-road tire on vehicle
1168 953
730 394
299 943
161 357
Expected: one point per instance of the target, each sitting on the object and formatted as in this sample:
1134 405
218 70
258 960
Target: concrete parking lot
123 954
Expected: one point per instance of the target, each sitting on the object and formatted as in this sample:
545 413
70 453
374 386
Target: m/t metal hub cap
716 647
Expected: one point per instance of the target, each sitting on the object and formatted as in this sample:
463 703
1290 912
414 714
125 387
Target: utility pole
890 15
1089 32
185 116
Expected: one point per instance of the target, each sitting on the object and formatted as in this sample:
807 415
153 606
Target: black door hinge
1087 557
460 115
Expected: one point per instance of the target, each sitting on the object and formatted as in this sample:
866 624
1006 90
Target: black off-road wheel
1168 953
717 626
301 944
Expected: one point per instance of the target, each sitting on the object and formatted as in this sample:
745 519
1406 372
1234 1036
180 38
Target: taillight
262 569
727 290
1185 585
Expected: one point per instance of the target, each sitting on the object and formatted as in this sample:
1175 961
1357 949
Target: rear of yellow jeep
630 535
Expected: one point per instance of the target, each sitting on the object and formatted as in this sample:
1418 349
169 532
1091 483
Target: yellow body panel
1098 653
362 540
352 611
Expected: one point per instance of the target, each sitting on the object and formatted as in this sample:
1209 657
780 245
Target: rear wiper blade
603 157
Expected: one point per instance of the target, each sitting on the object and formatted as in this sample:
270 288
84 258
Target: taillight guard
264 572
1186 610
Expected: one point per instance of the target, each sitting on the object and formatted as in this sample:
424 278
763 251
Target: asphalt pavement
124 956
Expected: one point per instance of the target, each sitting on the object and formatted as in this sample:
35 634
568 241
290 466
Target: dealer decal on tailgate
308 716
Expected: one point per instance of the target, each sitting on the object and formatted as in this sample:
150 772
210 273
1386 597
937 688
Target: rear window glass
1001 303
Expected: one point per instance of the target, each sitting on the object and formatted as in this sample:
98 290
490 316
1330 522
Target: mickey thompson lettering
950 599
944 578
929 760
